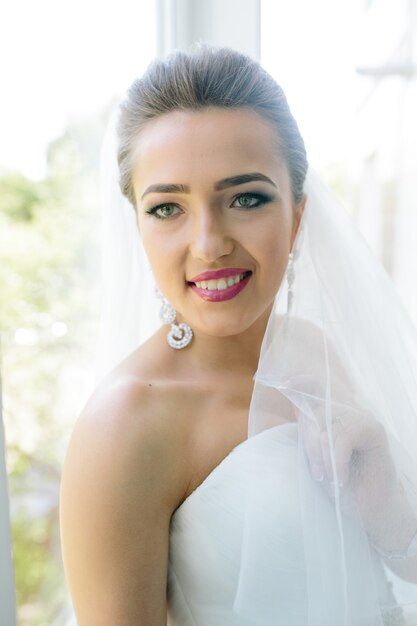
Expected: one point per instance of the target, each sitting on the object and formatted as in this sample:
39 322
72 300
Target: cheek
273 248
164 255
273 241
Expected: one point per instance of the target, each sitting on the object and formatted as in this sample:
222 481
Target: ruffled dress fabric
206 539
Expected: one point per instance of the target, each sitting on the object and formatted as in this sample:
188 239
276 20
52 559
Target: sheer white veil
129 309
346 349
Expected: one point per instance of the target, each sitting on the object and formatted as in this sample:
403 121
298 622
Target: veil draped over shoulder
341 362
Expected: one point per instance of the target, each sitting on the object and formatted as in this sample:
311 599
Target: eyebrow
232 181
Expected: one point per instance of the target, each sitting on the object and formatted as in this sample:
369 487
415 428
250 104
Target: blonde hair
206 77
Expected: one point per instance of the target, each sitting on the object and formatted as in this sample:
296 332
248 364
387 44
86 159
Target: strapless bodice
206 538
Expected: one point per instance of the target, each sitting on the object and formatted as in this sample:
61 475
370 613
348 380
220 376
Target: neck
236 355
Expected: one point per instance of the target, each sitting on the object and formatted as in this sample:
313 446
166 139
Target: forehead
201 146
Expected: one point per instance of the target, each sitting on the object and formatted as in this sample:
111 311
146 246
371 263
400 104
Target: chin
225 327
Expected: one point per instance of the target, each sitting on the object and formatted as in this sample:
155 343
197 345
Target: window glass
348 69
64 65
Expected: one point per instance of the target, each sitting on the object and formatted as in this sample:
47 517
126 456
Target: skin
209 229
208 385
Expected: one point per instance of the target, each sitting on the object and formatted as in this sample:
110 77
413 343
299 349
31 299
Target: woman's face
213 194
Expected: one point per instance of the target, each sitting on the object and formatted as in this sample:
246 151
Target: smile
221 283
218 290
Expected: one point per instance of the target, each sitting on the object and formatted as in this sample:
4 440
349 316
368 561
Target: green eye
251 200
166 210
163 211
245 201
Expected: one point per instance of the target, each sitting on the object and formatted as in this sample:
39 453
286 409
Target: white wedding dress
206 541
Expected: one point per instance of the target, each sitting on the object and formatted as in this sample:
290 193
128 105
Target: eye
249 200
163 211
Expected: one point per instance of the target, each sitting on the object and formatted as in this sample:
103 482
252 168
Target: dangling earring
290 279
179 335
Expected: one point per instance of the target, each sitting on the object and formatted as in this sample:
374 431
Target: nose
210 238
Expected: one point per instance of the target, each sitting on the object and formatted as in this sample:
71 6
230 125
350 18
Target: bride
252 459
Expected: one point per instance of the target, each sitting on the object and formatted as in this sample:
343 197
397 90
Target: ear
298 213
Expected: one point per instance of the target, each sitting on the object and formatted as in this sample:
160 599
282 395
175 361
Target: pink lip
215 295
223 273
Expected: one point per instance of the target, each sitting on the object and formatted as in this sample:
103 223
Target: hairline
135 139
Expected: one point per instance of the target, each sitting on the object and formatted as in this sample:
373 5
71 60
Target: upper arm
117 497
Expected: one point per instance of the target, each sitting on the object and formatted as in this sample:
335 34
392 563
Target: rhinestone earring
290 280
179 335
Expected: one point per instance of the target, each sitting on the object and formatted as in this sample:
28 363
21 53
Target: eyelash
260 197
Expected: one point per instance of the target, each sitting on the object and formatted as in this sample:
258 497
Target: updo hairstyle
208 77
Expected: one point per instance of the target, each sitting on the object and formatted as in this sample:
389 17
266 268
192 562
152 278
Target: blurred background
348 68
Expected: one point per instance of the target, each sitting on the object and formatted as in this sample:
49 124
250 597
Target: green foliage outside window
49 296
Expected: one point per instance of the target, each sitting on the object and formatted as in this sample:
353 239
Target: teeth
222 283
212 284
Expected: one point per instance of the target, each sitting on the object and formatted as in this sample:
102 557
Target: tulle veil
345 349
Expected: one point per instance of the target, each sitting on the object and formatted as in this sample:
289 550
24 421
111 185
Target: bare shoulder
132 420
121 481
